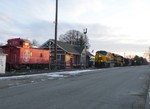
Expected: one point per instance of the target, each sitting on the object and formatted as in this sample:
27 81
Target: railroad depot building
68 56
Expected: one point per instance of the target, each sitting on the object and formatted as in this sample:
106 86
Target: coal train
20 55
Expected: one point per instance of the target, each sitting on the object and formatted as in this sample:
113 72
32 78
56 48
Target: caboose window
41 55
26 43
21 43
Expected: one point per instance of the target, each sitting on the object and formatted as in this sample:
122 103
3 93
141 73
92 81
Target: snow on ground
73 72
53 75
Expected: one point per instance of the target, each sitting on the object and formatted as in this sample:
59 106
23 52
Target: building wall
83 58
69 60
2 63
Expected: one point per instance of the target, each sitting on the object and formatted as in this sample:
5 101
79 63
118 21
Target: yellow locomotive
107 59
103 59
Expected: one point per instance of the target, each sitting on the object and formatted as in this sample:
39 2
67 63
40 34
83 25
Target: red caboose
20 54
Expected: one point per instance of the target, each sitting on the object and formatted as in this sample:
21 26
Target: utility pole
149 54
85 32
56 22
49 46
49 56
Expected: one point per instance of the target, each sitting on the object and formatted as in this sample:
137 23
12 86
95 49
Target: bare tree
75 37
34 43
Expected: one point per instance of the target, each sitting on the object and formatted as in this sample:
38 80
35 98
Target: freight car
127 62
21 55
118 60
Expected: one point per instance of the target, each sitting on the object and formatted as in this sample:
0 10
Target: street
111 88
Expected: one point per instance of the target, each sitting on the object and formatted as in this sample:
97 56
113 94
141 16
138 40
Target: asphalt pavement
111 88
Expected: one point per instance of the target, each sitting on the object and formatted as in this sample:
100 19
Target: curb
147 102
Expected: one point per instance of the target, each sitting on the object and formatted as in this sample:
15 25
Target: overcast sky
120 26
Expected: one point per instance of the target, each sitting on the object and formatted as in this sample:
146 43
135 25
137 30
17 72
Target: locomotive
103 59
107 59
20 55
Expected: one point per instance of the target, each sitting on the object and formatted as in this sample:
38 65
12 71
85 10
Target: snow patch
55 75
52 75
